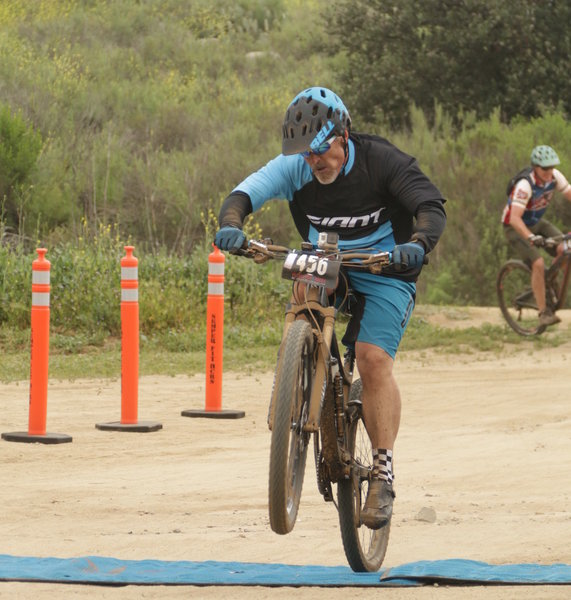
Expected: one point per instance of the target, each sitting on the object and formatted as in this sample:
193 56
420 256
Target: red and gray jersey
380 198
533 197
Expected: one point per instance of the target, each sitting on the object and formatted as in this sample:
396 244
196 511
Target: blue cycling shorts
380 310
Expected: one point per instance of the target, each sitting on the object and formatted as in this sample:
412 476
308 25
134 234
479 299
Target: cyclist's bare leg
538 282
381 413
381 396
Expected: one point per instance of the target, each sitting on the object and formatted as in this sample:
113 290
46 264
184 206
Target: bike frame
313 395
314 303
557 279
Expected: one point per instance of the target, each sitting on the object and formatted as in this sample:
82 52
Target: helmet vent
315 110
304 130
298 116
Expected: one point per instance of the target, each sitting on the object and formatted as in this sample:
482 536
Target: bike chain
323 481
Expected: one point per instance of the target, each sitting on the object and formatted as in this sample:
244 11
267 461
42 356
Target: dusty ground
485 442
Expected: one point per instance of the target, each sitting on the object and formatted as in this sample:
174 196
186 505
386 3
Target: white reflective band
129 295
42 277
40 298
130 273
216 268
216 289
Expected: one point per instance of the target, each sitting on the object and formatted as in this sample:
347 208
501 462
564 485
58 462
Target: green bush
144 115
86 289
472 167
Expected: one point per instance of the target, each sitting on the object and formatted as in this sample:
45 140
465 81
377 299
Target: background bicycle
515 295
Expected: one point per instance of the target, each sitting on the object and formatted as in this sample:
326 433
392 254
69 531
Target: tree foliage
150 111
144 115
474 55
20 147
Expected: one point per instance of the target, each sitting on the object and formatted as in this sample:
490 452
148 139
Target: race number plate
310 268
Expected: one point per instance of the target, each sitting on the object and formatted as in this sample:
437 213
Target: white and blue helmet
544 156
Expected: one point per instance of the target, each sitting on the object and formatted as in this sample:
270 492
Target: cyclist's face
545 175
326 166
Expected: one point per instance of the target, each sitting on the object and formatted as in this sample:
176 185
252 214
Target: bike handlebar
262 250
552 242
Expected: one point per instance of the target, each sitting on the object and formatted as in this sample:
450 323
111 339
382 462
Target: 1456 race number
311 268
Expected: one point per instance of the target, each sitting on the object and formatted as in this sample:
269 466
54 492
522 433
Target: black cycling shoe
378 508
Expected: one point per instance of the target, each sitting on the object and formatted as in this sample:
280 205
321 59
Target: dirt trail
485 443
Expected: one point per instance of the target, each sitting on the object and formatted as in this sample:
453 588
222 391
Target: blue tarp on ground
459 571
112 571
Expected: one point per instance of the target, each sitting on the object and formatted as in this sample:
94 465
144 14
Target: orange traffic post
129 350
39 359
214 343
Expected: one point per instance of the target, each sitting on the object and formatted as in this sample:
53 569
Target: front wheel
365 548
288 450
516 299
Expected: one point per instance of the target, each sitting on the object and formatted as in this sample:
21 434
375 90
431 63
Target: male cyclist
529 195
372 195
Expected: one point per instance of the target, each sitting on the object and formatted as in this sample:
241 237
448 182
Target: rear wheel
365 548
516 299
288 450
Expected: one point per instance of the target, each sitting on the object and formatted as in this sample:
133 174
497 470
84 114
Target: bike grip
240 251
424 259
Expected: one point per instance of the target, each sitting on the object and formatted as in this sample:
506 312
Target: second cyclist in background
372 195
529 194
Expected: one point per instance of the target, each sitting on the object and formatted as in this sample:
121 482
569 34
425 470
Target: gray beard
325 180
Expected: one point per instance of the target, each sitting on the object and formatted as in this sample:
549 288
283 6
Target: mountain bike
515 295
314 396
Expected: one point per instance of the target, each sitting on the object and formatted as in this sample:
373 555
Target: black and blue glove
410 254
229 238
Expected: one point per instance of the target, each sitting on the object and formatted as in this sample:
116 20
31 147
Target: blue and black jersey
380 198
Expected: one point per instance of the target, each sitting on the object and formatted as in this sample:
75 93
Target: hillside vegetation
129 122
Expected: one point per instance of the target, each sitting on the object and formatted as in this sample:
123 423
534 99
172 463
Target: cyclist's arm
416 193
566 191
235 209
430 222
279 178
516 221
563 185
520 197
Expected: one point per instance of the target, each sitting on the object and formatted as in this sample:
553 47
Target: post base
47 438
142 426
214 414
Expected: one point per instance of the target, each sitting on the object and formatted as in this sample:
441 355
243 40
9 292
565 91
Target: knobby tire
516 299
289 443
365 548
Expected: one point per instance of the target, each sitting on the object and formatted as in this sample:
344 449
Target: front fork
323 339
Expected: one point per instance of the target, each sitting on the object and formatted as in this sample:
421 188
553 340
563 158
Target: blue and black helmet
313 116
